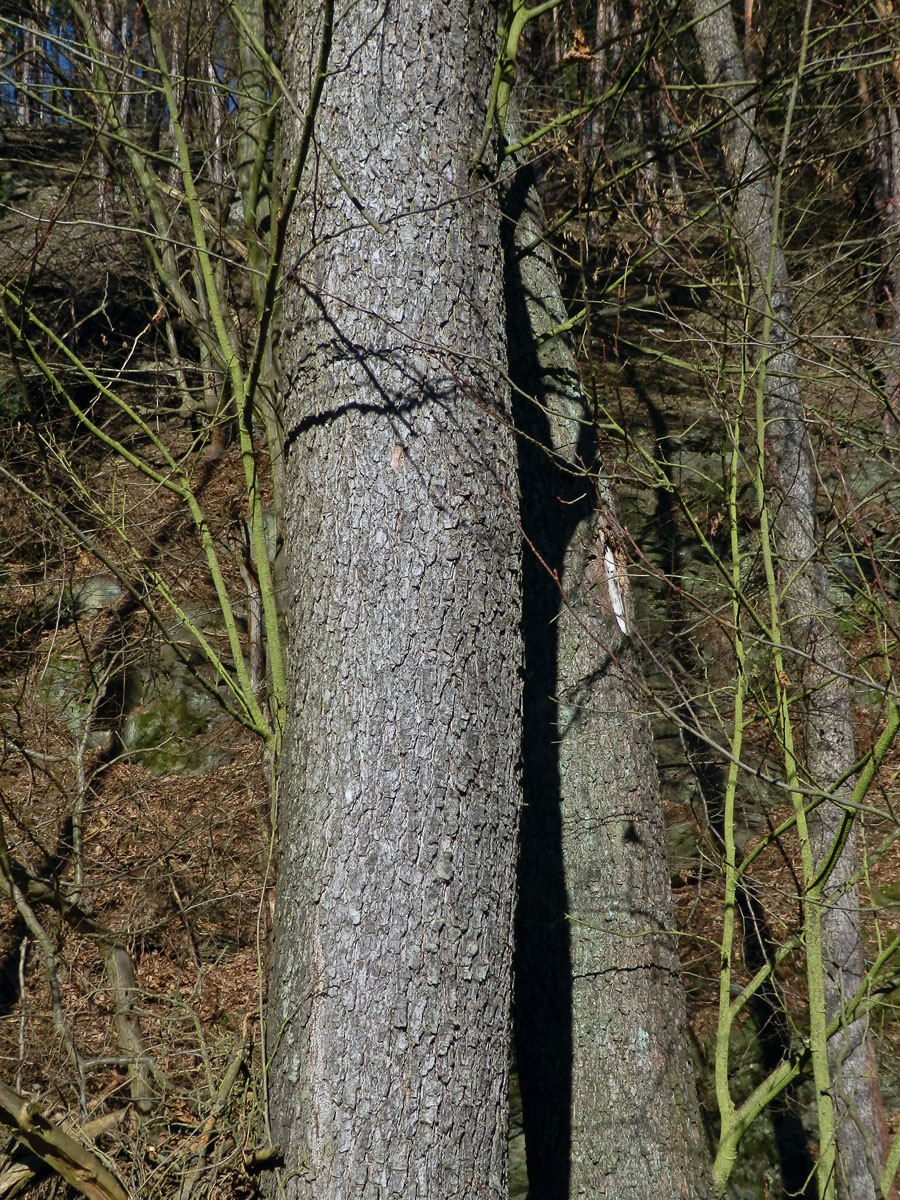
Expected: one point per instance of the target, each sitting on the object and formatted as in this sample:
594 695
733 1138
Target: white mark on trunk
616 599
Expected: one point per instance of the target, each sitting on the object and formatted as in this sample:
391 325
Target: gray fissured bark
400 785
608 1088
820 666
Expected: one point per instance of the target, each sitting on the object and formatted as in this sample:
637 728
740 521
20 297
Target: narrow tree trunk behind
884 117
608 1085
399 797
820 666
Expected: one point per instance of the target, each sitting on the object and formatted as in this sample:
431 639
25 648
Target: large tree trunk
608 1090
820 667
399 796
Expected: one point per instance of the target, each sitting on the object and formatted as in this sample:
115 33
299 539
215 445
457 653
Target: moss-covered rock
68 689
165 730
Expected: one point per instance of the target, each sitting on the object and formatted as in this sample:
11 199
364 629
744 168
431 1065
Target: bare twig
221 1101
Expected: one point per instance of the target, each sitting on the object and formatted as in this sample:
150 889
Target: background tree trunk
880 108
820 666
609 1099
399 794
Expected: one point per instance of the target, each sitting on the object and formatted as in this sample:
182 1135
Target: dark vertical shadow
10 991
9 965
759 947
553 503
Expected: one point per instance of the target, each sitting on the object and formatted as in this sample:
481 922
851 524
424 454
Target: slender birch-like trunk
808 613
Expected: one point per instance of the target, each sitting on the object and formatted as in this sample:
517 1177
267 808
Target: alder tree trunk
820 665
608 1084
891 244
399 793
883 113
